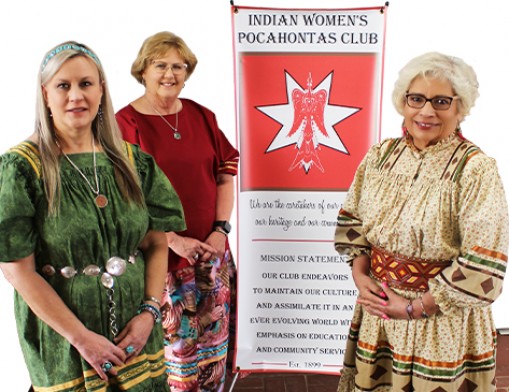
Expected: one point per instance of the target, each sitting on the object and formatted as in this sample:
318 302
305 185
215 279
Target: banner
308 93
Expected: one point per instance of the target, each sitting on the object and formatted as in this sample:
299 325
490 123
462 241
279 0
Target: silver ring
196 256
106 366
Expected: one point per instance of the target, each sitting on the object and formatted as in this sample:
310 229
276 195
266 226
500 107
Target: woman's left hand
394 306
218 241
134 336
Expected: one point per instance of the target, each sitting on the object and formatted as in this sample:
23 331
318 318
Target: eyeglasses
417 101
176 68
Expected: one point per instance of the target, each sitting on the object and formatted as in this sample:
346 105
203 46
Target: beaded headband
61 48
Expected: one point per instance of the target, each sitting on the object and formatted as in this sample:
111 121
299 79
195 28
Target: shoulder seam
463 153
31 154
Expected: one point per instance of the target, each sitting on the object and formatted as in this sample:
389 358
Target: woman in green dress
82 222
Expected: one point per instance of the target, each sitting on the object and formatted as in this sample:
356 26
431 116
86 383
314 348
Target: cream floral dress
446 202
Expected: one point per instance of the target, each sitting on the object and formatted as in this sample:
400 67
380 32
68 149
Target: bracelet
410 310
423 313
219 230
152 299
156 313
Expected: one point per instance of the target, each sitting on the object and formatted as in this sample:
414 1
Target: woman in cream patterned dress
425 227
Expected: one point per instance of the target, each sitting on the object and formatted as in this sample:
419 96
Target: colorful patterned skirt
196 321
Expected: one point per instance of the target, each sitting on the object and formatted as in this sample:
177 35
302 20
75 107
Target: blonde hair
104 128
436 65
156 46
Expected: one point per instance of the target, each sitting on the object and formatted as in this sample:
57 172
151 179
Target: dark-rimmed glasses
440 102
176 68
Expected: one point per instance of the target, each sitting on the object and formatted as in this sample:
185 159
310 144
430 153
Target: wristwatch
223 225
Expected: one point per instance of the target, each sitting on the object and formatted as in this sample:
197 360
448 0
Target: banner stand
308 86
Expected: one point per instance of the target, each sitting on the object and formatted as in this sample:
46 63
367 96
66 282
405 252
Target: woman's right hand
188 248
370 293
97 350
50 308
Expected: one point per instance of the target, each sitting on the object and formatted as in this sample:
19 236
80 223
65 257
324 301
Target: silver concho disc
92 270
177 136
68 272
116 266
107 280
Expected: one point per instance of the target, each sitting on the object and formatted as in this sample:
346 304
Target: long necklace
175 129
101 200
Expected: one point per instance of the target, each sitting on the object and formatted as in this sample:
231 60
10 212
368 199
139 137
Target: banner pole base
234 379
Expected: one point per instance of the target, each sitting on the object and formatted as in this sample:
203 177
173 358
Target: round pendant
177 136
101 201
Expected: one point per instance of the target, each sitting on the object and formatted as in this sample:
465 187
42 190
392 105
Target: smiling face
427 125
73 95
160 81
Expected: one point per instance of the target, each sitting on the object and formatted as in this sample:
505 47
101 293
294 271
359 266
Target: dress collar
440 145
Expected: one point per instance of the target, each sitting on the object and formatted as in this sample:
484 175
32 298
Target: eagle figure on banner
307 121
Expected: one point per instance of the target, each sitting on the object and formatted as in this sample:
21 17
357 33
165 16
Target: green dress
81 235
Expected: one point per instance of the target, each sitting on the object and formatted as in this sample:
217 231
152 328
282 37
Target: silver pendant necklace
101 200
175 129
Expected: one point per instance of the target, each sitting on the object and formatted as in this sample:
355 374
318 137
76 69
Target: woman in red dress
188 145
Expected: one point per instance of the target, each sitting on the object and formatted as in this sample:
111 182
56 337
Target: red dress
195 296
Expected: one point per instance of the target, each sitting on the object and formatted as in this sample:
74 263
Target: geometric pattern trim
459 159
379 372
479 273
349 239
452 170
488 285
352 234
404 272
467 386
394 151
424 369
458 276
490 253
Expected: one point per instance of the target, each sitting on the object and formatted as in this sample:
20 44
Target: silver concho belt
115 266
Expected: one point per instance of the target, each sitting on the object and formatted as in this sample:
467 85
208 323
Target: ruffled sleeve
476 276
164 206
349 239
18 189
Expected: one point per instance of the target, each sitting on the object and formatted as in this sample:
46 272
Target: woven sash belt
404 272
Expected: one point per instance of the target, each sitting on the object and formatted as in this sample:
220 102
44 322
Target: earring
404 129
100 118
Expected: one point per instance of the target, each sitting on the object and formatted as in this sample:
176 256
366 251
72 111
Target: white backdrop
115 30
